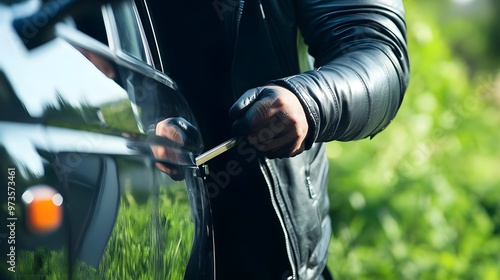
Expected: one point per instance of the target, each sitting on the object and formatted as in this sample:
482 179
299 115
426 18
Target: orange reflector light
43 209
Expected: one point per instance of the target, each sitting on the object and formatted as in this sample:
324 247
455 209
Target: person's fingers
171 132
282 145
287 150
173 171
190 136
180 131
256 117
163 168
244 102
272 119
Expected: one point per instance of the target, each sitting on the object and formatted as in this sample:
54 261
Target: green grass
147 237
149 241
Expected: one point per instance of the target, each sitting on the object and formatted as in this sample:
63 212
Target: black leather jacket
362 71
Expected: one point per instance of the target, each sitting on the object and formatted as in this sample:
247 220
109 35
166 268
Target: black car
82 89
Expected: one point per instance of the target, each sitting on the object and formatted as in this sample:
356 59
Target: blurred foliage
421 200
151 234
158 234
471 29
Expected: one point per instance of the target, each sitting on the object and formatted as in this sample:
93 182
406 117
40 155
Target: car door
78 119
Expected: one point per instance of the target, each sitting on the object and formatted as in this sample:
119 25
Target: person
240 64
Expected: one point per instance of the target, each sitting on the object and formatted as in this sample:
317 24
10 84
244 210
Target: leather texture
361 72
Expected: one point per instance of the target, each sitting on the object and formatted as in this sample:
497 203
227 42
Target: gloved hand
179 131
272 120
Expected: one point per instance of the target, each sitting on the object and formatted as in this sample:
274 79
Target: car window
130 37
92 24
118 26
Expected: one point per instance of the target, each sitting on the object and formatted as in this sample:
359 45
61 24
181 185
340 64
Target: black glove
272 119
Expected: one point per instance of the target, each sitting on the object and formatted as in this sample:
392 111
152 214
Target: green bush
421 199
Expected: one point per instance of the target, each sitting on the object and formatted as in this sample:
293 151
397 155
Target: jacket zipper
288 245
310 188
312 193
274 203
276 208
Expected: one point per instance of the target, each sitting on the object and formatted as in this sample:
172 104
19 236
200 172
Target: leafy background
421 200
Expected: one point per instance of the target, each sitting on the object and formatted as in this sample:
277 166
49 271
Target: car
82 88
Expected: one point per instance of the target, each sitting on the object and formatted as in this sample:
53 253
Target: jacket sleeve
362 67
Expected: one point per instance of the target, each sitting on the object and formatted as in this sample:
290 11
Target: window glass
129 30
92 24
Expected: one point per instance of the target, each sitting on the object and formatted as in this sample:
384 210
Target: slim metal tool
217 150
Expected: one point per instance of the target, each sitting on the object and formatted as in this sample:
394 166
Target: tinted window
92 24
129 30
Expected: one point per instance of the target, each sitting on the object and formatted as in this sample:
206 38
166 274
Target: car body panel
77 121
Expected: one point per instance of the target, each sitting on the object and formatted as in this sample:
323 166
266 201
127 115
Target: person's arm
361 75
362 64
